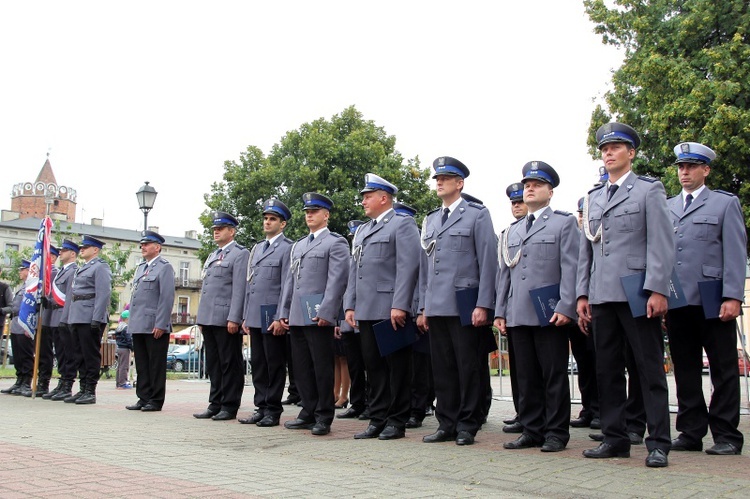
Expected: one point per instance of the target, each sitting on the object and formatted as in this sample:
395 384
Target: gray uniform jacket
317 267
63 281
384 271
67 277
48 311
152 298
269 270
636 237
710 242
223 290
92 278
549 254
15 326
464 255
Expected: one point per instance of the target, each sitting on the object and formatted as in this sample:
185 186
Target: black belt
89 296
55 306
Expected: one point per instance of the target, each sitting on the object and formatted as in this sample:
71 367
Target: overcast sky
124 92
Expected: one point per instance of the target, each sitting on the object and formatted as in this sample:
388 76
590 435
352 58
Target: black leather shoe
595 424
150 408
224 416
391 433
512 420
438 436
135 407
580 422
513 428
724 449
597 437
298 424
413 423
606 451
657 458
254 419
72 399
321 428
350 413
290 401
635 439
553 444
371 431
523 442
207 414
464 438
682 444
267 422
365 415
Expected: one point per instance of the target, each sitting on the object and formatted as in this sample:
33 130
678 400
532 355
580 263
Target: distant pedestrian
124 345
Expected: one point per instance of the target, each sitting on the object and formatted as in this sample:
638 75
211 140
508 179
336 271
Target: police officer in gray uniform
710 242
462 248
538 251
626 230
268 267
220 317
151 322
68 360
89 316
382 279
319 266
21 344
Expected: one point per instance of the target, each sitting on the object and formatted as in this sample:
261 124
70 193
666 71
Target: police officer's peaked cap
693 152
376 183
515 191
445 165
603 174
223 219
580 205
275 207
149 236
539 170
25 264
471 199
91 241
54 251
353 224
404 209
315 201
70 245
617 132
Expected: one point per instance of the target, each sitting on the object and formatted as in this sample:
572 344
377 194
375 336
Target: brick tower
28 198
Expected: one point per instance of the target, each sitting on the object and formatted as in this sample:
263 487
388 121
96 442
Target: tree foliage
326 156
685 77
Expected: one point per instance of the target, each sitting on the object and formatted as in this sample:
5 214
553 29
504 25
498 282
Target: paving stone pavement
52 449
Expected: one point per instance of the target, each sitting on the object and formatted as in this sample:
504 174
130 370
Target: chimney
96 222
153 228
191 234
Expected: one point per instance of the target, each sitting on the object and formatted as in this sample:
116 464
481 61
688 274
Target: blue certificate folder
390 341
545 300
310 306
466 298
711 298
267 313
638 297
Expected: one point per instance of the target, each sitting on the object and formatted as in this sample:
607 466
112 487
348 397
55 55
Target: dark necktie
312 237
266 245
529 222
446 213
688 200
612 189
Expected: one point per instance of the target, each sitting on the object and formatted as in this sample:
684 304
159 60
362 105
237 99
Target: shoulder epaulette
163 260
287 240
671 197
402 215
336 234
565 213
301 238
725 193
239 246
596 187
647 178
476 205
433 211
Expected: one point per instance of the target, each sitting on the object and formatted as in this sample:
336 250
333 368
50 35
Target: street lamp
146 197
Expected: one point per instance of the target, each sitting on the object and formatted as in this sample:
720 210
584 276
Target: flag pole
41 290
37 347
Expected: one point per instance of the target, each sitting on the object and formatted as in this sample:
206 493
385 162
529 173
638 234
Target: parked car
743 362
184 358
10 352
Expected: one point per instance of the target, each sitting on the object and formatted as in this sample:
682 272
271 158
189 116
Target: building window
9 248
185 273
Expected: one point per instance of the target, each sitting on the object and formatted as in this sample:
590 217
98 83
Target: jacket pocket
460 239
544 246
636 263
628 217
703 225
710 271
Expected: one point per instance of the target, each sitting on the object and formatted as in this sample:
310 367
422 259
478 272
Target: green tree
326 156
685 77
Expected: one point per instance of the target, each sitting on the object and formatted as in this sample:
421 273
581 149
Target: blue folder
390 341
638 297
310 306
711 298
466 298
545 300
267 314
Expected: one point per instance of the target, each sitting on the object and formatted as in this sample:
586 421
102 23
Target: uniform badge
534 165
441 161
685 147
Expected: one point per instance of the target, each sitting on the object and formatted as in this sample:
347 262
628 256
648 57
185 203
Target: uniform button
440 237
680 235
438 249
682 222
524 243
606 215
360 277
523 277
679 249
606 227
437 260
606 241
525 254
606 253
437 272
523 266
679 263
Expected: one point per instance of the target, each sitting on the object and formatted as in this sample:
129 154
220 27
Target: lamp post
146 197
